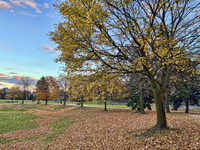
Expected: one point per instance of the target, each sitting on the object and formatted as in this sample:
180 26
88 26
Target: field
32 126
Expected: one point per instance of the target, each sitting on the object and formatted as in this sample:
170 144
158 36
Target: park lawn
70 127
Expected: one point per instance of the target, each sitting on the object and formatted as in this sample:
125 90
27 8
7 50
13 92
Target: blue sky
25 49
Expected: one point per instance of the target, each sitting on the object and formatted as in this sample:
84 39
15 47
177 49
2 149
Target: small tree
13 93
46 89
1 92
25 83
63 87
78 88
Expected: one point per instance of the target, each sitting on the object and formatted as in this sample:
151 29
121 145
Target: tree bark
186 106
105 106
159 101
82 101
167 100
38 102
141 101
64 101
23 98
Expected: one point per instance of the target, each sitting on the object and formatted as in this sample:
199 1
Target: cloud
4 5
49 49
11 11
6 85
21 77
6 81
9 68
12 73
50 15
2 74
29 3
8 50
46 5
17 3
26 13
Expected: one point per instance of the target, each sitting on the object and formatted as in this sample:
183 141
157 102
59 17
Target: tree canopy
150 37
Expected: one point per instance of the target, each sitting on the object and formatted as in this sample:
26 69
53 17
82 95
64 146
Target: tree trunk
160 110
38 102
46 102
82 101
167 101
23 98
141 102
186 106
105 106
64 101
12 100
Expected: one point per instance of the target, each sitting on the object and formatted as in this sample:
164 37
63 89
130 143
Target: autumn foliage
47 89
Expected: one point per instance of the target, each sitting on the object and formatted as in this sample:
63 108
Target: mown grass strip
13 121
58 128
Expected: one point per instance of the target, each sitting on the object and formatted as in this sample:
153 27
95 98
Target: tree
1 92
186 90
78 88
46 89
24 83
106 86
63 85
149 37
13 93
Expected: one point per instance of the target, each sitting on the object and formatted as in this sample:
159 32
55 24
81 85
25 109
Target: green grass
58 127
13 121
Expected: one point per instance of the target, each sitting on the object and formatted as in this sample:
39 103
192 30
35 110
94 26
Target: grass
58 127
13 121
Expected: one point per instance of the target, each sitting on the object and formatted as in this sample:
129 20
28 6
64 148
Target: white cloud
11 11
4 5
17 3
38 11
24 3
26 13
50 15
49 49
46 5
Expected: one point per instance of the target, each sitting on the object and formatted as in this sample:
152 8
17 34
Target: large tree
149 37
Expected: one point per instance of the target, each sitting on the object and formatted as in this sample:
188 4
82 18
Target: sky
25 49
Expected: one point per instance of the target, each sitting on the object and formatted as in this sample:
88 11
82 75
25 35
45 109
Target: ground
69 127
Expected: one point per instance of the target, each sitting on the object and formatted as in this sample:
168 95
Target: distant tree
24 83
63 87
1 92
78 88
106 86
13 93
187 90
46 89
